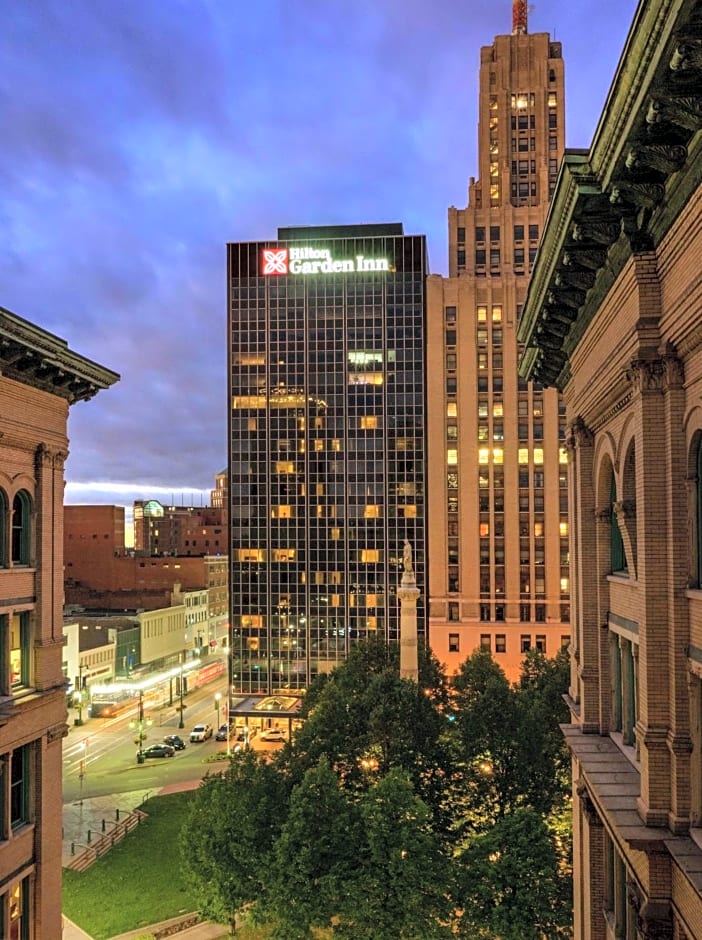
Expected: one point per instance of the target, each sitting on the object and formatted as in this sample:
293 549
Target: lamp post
78 703
140 726
181 723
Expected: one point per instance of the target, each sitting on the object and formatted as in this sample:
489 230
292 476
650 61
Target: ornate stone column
408 593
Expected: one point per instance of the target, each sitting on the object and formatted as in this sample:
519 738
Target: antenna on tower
519 17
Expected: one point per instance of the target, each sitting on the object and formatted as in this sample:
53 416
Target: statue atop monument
407 558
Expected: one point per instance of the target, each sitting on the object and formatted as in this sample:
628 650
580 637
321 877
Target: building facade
326 445
613 319
178 530
498 558
40 378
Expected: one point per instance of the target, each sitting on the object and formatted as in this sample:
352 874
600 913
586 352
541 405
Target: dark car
175 741
222 733
156 750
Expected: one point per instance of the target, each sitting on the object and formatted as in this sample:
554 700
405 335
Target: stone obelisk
408 592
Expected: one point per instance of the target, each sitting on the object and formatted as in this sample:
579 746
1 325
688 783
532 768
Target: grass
138 882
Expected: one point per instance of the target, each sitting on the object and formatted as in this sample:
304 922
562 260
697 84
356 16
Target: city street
99 756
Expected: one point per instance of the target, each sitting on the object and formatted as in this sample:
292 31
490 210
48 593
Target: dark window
21 518
461 258
480 256
485 641
500 643
540 613
454 643
494 257
450 337
485 609
450 314
618 558
519 256
699 512
480 233
19 786
523 145
461 233
494 233
533 233
500 613
541 642
518 233
453 612
553 120
525 643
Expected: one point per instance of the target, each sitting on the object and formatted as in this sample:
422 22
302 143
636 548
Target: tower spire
519 17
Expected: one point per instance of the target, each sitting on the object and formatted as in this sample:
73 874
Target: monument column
408 592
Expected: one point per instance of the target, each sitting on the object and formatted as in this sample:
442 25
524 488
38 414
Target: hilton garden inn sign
277 261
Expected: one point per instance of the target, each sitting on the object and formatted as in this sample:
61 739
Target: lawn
138 882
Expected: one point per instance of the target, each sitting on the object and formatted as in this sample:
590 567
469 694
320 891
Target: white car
273 734
200 733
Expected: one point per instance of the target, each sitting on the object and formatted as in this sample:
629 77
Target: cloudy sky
139 136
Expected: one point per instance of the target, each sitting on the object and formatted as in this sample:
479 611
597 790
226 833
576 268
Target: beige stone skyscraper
498 523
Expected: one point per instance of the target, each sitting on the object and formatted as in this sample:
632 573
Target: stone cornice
622 196
37 358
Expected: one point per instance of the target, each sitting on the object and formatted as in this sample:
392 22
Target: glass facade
326 445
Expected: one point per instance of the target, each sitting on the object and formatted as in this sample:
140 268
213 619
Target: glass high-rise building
327 459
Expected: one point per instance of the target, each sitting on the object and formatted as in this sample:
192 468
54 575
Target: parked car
273 734
156 750
222 733
175 741
200 733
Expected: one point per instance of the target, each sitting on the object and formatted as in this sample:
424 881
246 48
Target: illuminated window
538 530
523 455
483 455
282 512
371 512
563 528
538 455
562 455
20 650
451 409
452 457
410 512
371 600
250 554
370 555
371 623
497 409
335 534
497 314
484 529
336 445
498 455
552 99
369 422
252 424
482 314
565 585
319 577
319 489
284 466
283 554
318 445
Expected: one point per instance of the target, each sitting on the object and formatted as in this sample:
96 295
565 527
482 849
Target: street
99 756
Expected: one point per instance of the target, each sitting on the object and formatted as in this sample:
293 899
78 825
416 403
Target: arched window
4 528
617 555
699 511
21 520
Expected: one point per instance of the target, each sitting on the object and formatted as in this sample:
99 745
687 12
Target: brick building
498 539
40 378
178 530
613 320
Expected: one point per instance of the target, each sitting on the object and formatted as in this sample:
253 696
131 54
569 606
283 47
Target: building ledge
613 786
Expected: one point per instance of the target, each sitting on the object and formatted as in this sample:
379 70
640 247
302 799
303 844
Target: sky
140 136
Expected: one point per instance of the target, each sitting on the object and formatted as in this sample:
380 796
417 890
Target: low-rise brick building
40 378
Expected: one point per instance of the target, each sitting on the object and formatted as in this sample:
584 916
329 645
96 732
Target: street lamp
78 703
140 726
181 723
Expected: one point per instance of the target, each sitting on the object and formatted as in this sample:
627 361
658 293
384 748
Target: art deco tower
498 539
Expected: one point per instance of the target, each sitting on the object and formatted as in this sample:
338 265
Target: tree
514 887
400 887
229 834
366 720
314 857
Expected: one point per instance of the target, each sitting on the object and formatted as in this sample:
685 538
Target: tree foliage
400 810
